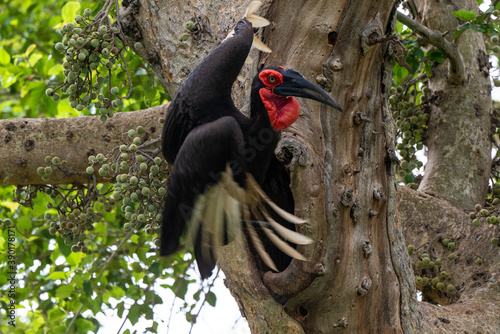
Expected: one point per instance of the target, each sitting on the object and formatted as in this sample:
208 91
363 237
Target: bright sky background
224 318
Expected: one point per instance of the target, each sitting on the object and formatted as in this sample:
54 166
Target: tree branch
457 68
25 142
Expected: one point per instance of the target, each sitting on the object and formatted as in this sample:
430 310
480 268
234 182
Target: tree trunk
358 277
459 160
358 260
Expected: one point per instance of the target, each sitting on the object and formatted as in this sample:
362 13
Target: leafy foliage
408 101
481 23
29 64
410 95
91 49
71 244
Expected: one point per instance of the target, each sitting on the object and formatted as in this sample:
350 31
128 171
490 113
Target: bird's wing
200 184
205 95
211 190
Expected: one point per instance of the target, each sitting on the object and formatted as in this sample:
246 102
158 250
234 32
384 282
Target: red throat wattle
282 110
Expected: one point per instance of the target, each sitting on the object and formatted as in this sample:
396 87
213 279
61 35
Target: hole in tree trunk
303 312
332 38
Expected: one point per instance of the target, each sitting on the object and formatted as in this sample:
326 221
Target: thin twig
128 76
125 239
188 266
457 68
413 81
210 286
74 319
123 323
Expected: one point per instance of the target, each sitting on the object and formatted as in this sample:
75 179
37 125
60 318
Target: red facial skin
282 110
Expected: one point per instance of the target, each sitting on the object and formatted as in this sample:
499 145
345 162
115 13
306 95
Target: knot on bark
373 34
347 198
365 285
291 150
367 249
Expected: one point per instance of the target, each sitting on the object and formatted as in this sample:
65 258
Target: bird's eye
271 79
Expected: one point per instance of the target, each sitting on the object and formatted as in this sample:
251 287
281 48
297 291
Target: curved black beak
294 84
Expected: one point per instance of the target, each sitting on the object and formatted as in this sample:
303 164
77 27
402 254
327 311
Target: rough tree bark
456 178
359 277
26 142
460 112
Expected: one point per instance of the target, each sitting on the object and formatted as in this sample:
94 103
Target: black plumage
223 159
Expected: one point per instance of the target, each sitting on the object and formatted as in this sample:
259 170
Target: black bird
222 159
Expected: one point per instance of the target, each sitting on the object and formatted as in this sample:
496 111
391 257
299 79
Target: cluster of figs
90 49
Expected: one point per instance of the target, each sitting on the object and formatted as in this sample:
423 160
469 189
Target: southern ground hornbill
224 162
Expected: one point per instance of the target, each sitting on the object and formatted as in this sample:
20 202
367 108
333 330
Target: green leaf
180 287
65 250
120 308
64 109
56 69
134 238
56 314
84 325
4 57
64 291
196 295
96 304
399 27
58 275
409 43
211 298
133 314
482 27
466 15
436 55
399 73
24 223
34 58
409 178
10 205
69 10
136 267
78 280
190 317
117 292
35 93
87 285
58 330
134 292
461 29
489 10
37 322
428 69
418 53
74 259
54 255
413 61
155 268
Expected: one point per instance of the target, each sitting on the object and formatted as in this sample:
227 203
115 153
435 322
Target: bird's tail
218 215
259 206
